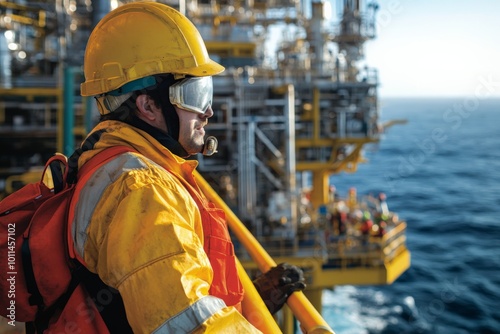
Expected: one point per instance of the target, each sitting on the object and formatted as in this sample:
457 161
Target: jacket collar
144 142
164 138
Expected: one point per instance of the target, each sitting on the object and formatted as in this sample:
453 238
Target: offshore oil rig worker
141 222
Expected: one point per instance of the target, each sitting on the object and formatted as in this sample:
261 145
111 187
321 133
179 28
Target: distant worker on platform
142 224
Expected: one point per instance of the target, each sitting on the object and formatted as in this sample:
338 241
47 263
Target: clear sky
437 48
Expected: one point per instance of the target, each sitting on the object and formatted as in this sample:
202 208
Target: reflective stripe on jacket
138 224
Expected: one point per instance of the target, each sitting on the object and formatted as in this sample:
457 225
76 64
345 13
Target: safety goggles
192 94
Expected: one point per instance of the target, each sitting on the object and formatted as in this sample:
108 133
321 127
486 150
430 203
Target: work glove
278 284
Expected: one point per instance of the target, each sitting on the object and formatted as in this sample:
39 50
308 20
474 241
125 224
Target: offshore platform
295 106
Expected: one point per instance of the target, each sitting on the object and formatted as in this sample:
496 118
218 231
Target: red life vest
219 248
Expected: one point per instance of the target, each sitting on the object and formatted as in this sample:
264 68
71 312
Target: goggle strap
134 85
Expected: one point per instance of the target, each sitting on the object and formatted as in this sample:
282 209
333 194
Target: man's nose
208 113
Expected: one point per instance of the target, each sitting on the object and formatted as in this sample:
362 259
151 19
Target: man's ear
147 110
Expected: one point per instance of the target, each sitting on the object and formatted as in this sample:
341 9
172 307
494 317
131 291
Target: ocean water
441 173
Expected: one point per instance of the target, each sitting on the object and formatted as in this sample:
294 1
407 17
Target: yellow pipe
304 311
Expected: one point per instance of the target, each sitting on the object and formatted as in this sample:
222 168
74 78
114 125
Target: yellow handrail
253 307
303 310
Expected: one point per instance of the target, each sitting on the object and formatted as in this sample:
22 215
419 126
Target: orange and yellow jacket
144 227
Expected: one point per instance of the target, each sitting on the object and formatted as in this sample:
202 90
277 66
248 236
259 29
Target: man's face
191 129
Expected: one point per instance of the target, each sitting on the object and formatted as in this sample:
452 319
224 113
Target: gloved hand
278 284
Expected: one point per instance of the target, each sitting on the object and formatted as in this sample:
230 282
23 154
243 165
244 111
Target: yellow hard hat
141 39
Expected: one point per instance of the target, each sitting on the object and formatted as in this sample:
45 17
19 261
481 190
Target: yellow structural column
320 183
315 296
